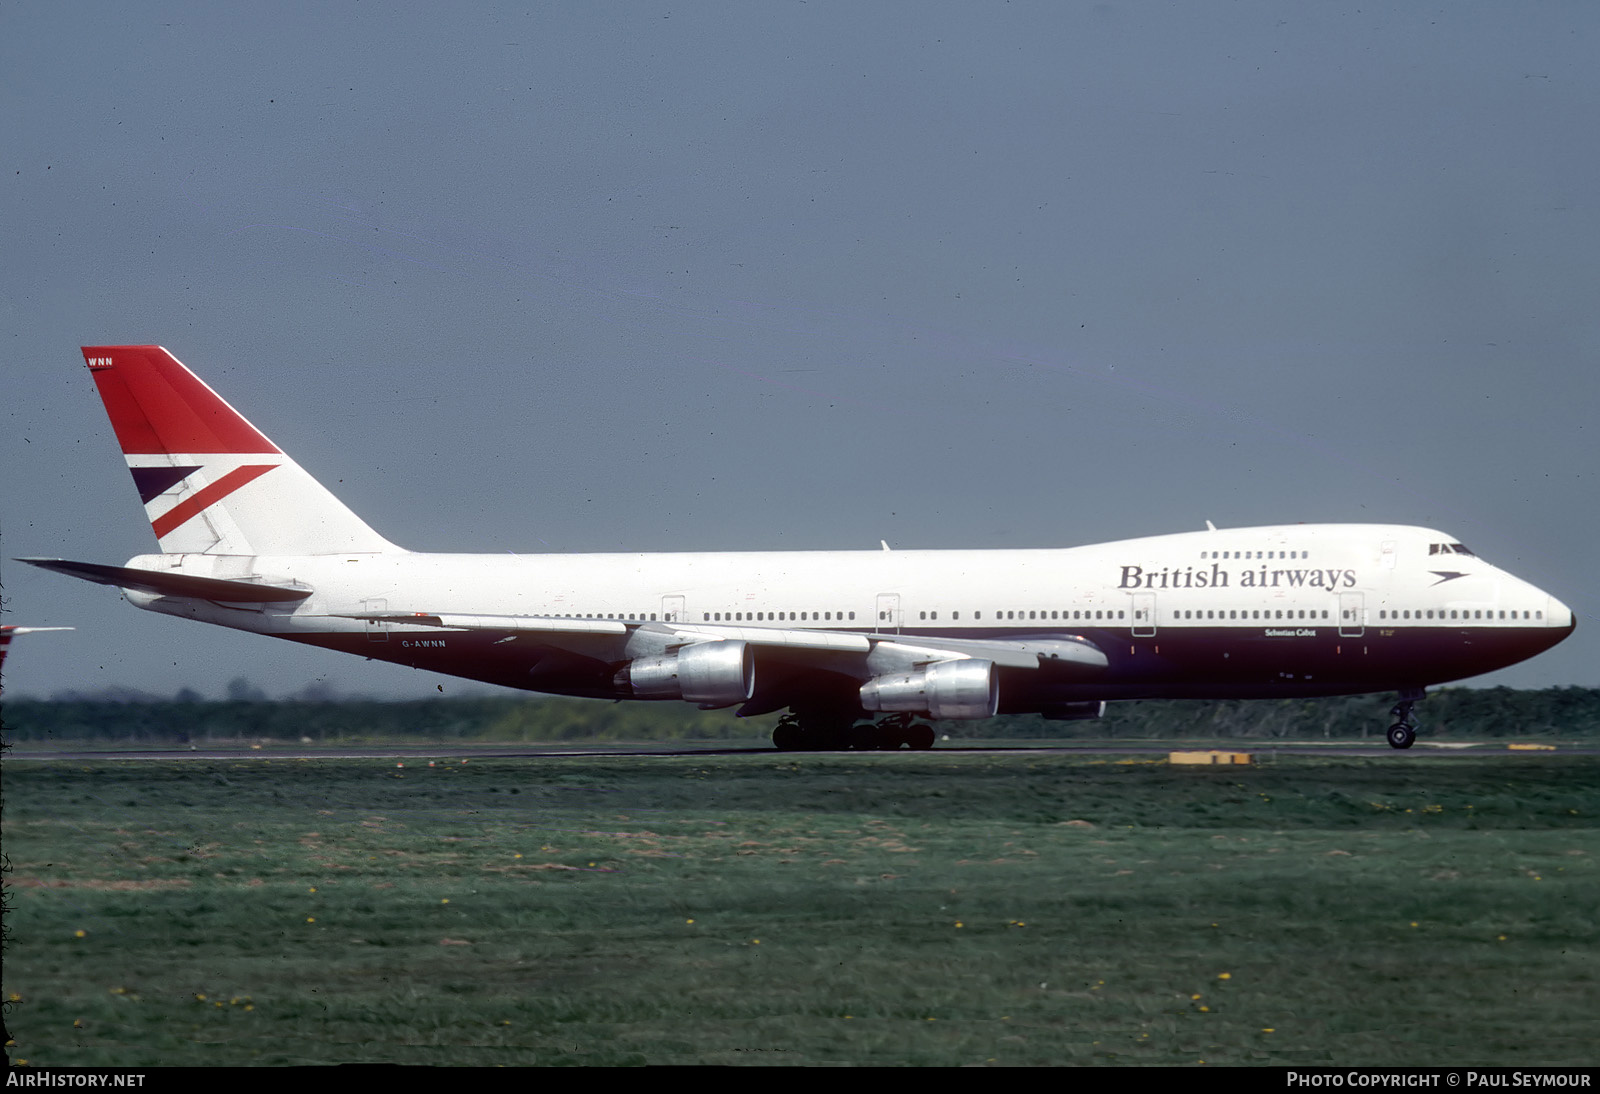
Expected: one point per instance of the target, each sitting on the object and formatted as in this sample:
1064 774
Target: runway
401 753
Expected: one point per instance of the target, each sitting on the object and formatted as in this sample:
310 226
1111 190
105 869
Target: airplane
250 540
8 631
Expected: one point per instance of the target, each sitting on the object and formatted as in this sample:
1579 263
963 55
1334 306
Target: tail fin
210 481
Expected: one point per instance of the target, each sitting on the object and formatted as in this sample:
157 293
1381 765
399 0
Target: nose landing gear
1403 734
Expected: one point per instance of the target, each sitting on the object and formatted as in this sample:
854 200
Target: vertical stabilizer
210 481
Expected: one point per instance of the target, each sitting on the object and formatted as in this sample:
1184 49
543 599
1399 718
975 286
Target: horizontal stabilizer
172 584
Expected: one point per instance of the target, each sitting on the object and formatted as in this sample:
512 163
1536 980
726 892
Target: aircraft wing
1021 653
674 634
506 624
1015 653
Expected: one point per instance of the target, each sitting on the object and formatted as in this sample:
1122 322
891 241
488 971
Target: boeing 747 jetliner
249 540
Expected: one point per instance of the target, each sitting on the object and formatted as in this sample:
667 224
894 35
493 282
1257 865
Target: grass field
816 908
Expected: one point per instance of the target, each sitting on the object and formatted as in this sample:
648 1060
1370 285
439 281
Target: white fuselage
1330 607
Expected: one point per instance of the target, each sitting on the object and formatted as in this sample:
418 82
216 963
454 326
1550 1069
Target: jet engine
967 688
713 674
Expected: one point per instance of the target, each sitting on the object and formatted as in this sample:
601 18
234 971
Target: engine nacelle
713 674
966 688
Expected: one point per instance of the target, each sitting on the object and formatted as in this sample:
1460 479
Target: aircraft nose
1559 616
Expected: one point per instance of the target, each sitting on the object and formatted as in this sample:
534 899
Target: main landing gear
1403 734
815 731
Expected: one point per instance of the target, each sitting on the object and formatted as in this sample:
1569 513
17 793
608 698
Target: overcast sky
664 276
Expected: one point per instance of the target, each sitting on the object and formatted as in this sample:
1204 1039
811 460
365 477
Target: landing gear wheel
787 736
889 734
1404 731
919 737
813 731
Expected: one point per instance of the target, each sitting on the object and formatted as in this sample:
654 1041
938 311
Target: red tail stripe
158 406
207 496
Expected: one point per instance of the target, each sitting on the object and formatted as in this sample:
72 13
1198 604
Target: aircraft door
888 613
672 609
1144 615
1352 615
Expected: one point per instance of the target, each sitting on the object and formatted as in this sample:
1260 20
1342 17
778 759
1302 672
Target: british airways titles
1136 577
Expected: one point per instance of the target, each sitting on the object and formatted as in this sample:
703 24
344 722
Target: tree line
1450 713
